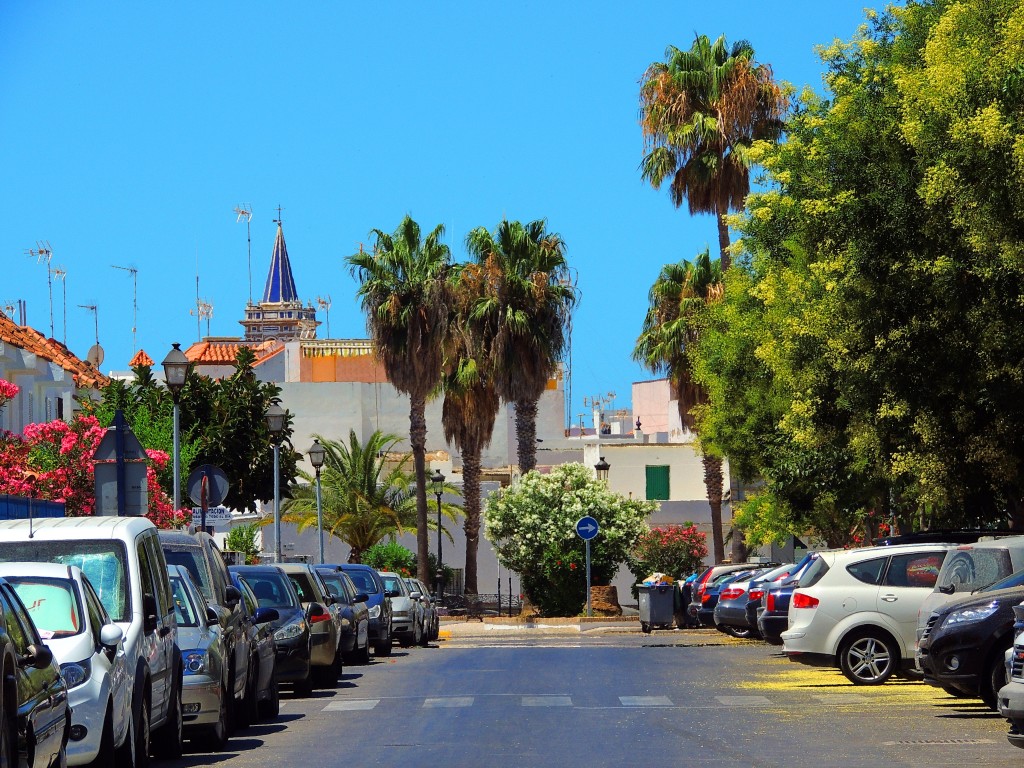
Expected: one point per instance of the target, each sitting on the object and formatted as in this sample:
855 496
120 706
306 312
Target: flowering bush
532 526
675 550
7 391
390 556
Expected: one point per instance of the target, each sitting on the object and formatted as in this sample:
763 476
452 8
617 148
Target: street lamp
317 453
276 416
602 468
437 479
175 370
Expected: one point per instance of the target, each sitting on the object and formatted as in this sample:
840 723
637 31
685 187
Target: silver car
431 619
406 611
204 693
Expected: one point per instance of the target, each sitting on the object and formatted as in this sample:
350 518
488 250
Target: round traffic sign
216 485
587 528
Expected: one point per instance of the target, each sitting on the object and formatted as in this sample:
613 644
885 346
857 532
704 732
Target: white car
857 609
87 647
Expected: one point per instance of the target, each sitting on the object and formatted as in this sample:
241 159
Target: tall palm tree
524 314
471 403
664 345
363 501
404 293
700 111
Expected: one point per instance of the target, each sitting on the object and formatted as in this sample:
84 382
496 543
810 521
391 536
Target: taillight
783 576
731 593
704 598
800 600
770 602
756 594
319 618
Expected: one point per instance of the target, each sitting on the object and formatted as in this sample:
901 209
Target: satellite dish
95 355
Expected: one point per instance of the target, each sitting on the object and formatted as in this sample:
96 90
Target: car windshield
1013 580
335 584
192 560
972 568
303 584
53 605
103 562
184 611
364 581
394 584
814 572
272 590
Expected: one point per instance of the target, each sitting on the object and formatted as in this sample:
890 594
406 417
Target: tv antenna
43 252
10 305
134 272
95 355
203 311
324 302
245 210
59 273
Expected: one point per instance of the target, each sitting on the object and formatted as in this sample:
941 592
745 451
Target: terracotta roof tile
24 337
224 351
141 358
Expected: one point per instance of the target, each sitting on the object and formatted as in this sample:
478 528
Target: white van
122 558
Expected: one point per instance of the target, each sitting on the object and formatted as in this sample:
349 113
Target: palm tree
363 501
700 112
663 347
405 296
471 404
524 314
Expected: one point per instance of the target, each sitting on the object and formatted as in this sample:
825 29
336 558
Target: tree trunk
418 440
526 434
739 541
355 555
1016 510
723 241
471 509
713 482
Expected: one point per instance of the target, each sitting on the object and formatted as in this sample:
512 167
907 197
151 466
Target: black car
712 589
731 613
964 642
355 615
262 698
368 580
273 589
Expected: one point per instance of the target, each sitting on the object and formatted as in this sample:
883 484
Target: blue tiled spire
280 283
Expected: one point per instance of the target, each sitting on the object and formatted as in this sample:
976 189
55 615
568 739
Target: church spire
280 283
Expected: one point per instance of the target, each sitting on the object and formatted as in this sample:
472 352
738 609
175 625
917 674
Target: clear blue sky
129 132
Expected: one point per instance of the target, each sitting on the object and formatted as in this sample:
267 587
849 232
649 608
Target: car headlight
76 672
374 611
195 662
399 614
291 630
972 614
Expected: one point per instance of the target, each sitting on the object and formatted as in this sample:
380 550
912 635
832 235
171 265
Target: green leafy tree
524 314
404 293
391 556
532 528
700 112
242 538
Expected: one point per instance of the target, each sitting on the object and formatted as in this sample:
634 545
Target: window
94 608
184 611
919 569
52 605
868 571
972 568
192 560
814 572
657 483
19 636
304 586
163 586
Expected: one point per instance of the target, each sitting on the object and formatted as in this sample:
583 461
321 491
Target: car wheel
270 707
135 752
993 680
383 647
364 655
956 693
742 634
868 658
305 687
7 737
105 757
168 740
215 738
425 637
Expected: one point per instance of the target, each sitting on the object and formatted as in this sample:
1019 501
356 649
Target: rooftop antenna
246 210
203 311
278 220
59 273
95 355
134 272
324 302
43 252
9 306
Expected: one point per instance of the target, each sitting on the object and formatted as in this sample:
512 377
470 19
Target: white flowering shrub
532 526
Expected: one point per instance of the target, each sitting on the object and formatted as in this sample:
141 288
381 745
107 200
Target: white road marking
449 701
546 701
744 701
351 706
645 701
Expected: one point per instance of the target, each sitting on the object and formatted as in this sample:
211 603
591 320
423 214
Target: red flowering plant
675 550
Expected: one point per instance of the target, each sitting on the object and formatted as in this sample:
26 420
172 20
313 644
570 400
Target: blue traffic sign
587 528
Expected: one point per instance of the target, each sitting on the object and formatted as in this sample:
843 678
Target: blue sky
129 132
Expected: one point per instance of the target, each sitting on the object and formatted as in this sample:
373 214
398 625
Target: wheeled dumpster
657 603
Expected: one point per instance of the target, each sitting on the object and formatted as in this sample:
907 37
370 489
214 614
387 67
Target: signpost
120 472
587 528
207 486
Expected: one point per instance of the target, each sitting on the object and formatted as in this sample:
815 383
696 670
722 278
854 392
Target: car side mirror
212 617
110 636
948 589
415 595
264 615
317 613
232 596
149 612
38 656
330 599
361 597
392 593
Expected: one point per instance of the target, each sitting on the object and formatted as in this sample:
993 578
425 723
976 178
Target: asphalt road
624 700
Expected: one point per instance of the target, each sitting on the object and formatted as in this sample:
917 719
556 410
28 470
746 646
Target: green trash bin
657 603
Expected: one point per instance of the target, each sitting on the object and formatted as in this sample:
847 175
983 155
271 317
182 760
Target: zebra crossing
562 700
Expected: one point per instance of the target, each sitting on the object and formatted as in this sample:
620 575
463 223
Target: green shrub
390 556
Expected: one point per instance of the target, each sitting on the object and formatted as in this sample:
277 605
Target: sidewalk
514 628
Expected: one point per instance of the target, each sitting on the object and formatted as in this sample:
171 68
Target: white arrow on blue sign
586 528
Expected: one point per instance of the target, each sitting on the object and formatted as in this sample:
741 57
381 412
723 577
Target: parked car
1010 698
35 712
699 610
206 660
773 613
86 646
406 612
368 580
262 699
712 590
964 643
355 615
431 618
731 612
199 554
858 609
324 620
123 560
273 589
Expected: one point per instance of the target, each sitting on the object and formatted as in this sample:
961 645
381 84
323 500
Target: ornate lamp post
437 480
602 468
276 417
316 454
175 370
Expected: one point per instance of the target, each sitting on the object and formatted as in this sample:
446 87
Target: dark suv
368 580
